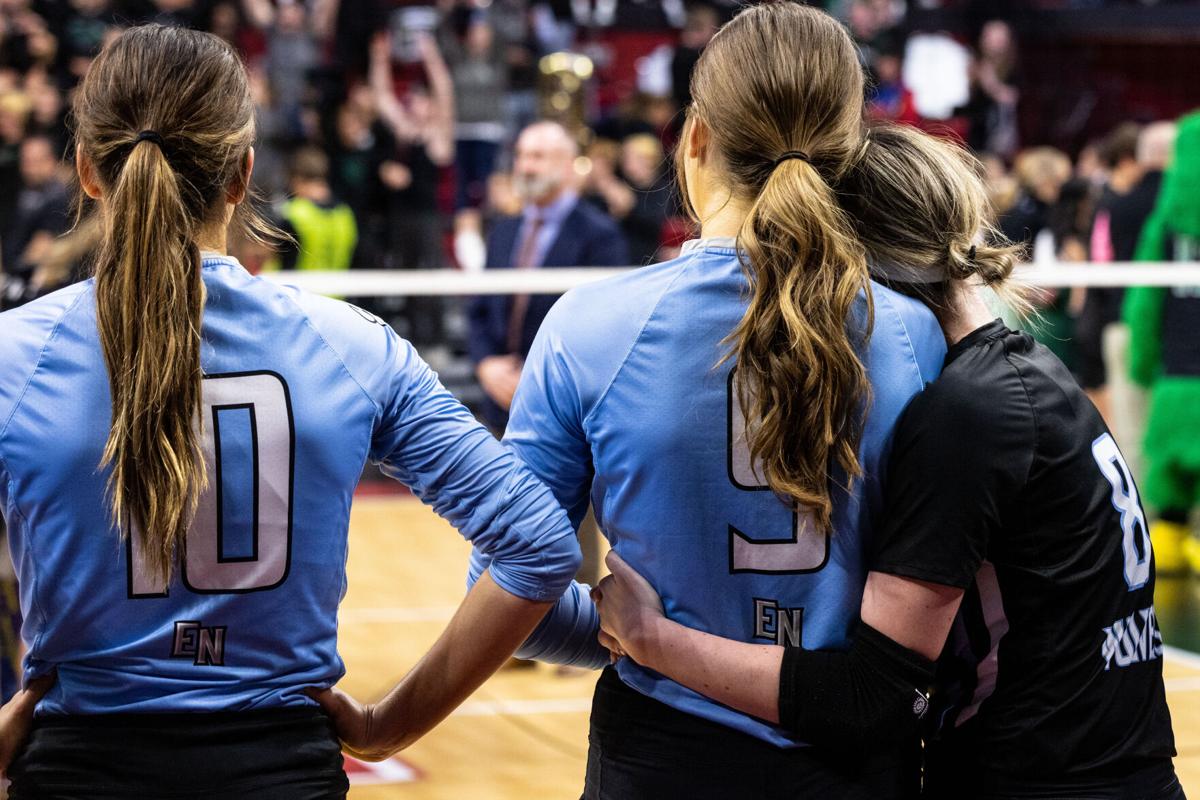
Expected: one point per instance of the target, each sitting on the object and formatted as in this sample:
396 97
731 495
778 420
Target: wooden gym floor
523 735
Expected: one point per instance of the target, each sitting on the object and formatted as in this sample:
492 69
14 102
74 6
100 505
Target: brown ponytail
785 79
160 190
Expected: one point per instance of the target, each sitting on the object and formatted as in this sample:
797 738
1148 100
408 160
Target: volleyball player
628 399
1011 525
179 446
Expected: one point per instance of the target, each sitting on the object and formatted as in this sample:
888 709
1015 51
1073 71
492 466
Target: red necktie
520 303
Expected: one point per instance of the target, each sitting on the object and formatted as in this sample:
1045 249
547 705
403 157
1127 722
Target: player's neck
214 238
721 216
968 312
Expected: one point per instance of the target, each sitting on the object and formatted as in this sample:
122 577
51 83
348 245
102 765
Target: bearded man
554 229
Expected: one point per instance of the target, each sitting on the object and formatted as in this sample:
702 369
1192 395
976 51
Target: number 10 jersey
299 391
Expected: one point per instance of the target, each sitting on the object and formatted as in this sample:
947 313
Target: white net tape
385 283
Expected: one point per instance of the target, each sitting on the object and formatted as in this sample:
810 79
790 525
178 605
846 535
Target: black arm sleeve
873 693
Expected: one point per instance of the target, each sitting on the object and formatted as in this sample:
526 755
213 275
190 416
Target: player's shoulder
615 308
592 329
982 388
26 332
46 311
367 347
911 328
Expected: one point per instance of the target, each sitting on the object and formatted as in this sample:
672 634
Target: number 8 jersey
298 393
1006 483
624 401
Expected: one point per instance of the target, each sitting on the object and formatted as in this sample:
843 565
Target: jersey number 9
241 537
804 550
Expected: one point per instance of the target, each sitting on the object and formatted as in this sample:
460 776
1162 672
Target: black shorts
274 754
966 778
641 748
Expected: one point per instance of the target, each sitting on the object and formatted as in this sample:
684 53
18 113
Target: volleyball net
451 282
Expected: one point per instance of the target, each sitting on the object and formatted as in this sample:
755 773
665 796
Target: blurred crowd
397 135
494 134
387 130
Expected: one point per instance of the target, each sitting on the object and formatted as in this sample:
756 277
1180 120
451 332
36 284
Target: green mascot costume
1165 357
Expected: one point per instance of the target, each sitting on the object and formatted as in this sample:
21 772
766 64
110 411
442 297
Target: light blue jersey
299 392
622 403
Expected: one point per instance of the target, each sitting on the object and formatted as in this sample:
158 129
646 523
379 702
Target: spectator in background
1126 400
480 74
638 196
1069 223
180 13
701 25
42 212
291 54
890 99
14 112
413 142
26 42
1041 173
991 110
322 227
47 116
417 142
555 229
512 19
353 149
80 27
275 138
1124 204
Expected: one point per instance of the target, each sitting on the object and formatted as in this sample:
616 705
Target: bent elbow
563 558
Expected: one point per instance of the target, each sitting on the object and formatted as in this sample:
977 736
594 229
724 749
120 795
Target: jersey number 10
249 446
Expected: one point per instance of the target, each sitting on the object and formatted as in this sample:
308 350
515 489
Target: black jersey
1005 481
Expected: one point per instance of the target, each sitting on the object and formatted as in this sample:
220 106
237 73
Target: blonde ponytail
921 210
799 374
165 121
780 91
149 300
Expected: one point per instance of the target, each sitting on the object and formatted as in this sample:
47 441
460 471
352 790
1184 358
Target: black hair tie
150 136
971 256
790 154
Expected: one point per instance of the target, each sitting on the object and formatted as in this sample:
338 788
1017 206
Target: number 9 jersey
624 402
299 391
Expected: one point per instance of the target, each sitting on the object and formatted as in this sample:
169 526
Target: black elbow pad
873 694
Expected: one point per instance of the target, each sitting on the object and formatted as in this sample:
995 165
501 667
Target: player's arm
567 634
16 718
427 440
482 635
546 430
430 442
862 695
942 505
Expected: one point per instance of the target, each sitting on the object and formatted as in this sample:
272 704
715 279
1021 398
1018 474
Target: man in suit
554 229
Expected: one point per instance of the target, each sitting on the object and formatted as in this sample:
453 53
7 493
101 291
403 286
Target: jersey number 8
249 446
1135 536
